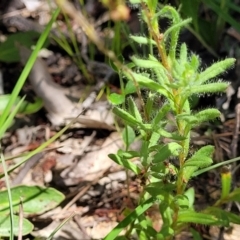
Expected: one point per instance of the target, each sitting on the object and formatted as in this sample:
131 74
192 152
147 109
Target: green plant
169 80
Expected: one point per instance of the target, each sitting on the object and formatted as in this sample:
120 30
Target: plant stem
157 36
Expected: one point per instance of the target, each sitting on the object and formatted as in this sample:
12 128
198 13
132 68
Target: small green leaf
159 168
198 162
183 54
26 227
133 109
35 199
170 135
182 201
143 63
125 163
161 114
144 153
161 74
202 158
128 135
188 118
174 30
150 103
189 216
128 154
158 188
190 194
166 214
129 88
207 115
165 209
194 62
147 82
124 115
116 99
142 40
209 88
216 69
154 139
170 149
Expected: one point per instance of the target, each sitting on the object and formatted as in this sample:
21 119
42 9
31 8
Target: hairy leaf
147 82
142 40
133 109
207 115
162 112
143 63
209 88
124 115
216 69
202 158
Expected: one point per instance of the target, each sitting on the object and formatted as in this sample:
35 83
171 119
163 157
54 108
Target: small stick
20 220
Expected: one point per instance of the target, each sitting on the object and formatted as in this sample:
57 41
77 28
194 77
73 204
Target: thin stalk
157 36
